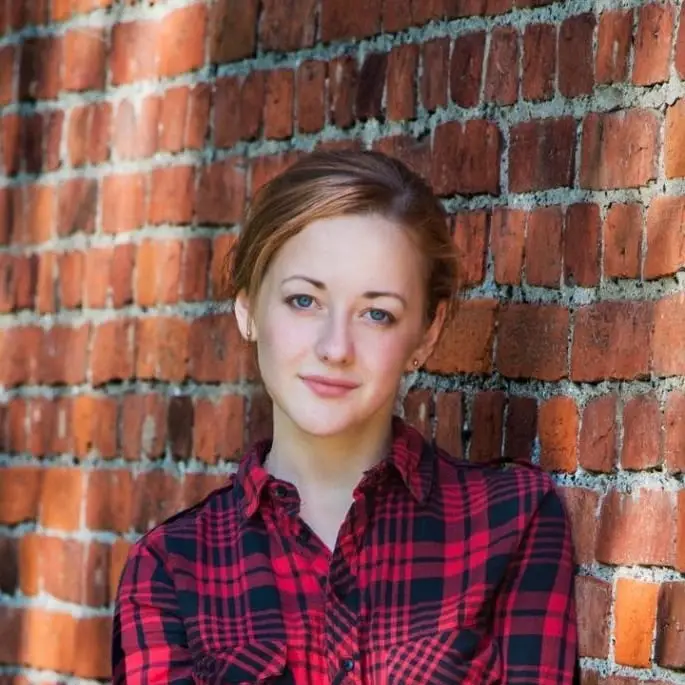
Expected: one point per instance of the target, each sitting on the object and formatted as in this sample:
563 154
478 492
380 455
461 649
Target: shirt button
347 665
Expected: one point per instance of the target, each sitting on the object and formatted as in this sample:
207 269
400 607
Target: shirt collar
410 455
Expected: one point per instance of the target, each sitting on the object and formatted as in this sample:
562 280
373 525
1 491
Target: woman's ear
431 335
244 317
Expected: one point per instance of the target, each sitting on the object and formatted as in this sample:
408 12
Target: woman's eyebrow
369 294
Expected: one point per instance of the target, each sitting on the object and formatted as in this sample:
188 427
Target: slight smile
329 387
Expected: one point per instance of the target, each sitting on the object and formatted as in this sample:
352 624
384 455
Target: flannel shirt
444 572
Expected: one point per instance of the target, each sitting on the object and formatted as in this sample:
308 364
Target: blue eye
301 301
381 316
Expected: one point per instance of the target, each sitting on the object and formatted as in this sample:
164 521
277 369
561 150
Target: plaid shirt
444 572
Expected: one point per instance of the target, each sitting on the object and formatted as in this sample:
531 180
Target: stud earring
416 363
248 333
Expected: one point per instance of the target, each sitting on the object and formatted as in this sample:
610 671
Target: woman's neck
330 464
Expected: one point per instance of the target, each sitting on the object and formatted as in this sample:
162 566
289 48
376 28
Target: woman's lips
329 387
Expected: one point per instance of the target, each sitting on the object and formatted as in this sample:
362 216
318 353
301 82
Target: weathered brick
653 43
614 37
343 80
181 40
612 340
582 245
64 355
635 618
232 30
674 145
162 348
619 149
471 239
576 59
435 74
466 68
136 128
674 431
144 429
641 433
113 351
8 80
542 154
539 61
507 241
238 108
543 247
593 600
279 103
94 426
172 198
345 19
670 641
680 45
466 158
311 88
218 428
502 78
123 202
487 423
60 498
131 57
665 226
401 79
195 270
287 25
558 432
371 86
221 193
521 427
622 236
85 59
582 506
418 409
597 447
449 421
40 73
669 326
77 206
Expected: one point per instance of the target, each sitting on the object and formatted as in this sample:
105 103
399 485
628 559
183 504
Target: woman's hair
329 184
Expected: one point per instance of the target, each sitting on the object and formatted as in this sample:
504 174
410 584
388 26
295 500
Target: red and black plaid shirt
444 572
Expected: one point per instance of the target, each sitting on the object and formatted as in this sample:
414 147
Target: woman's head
344 270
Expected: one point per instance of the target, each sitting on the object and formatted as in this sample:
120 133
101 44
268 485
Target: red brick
45 286
143 421
194 270
54 127
449 422
263 169
507 230
401 80
470 240
17 420
8 81
598 436
85 52
77 207
17 273
582 507
543 247
670 642
172 195
9 572
521 428
612 340
40 68
112 354
349 19
40 215
674 146
674 432
637 528
181 40
232 30
502 79
669 326
641 433
123 202
88 134
593 600
118 556
238 108
467 8
582 245
162 348
622 236
158 267
558 432
635 618
418 409
466 69
287 25
371 87
19 355
487 422
48 427
11 143
180 420
416 154
576 60
109 498
518 325
94 427
136 128
653 44
156 497
539 61
93 636
20 494
108 276
619 149
279 103
466 158
218 428
680 532
132 58
665 249
467 343
614 37
216 350
221 193
680 46
342 90
434 76
184 118
423 11
64 354
541 154
311 89
61 496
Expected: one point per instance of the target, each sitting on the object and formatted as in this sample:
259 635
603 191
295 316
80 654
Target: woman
346 549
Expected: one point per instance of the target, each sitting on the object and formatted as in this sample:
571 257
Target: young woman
347 550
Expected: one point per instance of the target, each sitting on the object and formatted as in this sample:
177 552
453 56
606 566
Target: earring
416 363
248 333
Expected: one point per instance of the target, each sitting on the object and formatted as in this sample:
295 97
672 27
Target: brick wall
131 136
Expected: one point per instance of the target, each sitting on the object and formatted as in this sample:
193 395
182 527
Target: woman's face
339 319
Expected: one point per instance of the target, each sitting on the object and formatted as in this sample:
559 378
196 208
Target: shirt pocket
451 656
250 662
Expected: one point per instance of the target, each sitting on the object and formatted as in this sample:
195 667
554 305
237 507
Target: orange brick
61 498
635 619
558 431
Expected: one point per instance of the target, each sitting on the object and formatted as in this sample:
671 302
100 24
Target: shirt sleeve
149 644
535 617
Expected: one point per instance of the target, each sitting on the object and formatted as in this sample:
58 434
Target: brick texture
131 144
